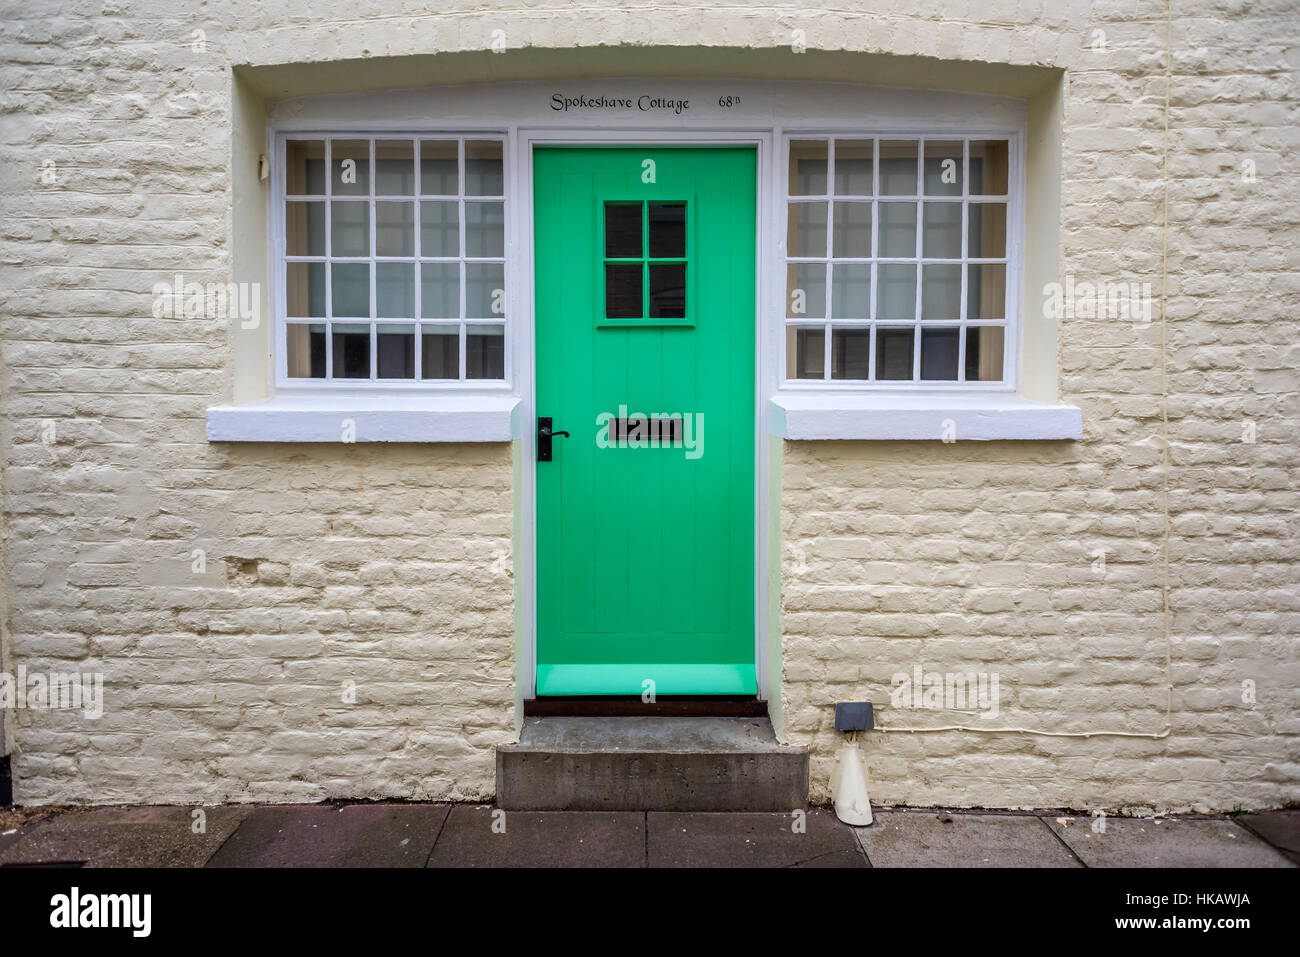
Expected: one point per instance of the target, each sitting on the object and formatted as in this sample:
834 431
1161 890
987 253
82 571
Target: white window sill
963 417
367 418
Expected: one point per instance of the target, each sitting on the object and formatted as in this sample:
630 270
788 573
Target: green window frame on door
645 263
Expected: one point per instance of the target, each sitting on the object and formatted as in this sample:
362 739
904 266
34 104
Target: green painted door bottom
645 356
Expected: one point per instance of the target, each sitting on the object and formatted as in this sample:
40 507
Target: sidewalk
443 835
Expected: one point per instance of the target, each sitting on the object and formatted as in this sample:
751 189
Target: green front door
645 356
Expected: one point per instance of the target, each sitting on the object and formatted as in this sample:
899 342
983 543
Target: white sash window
392 258
898 261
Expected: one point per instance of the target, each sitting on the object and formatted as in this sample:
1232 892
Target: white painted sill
369 418
980 417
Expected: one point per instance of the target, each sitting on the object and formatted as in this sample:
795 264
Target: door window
645 262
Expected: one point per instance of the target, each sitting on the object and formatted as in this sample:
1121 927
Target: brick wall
348 631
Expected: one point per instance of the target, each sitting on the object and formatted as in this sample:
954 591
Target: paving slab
1165 842
734 839
955 839
123 837
540 839
352 835
1279 828
8 839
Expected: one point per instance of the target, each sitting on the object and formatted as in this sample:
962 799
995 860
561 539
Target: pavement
460 835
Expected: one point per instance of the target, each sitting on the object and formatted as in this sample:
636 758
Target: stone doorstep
650 764
645 733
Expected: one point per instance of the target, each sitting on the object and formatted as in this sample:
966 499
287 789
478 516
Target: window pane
667 290
485 290
896 291
304 293
942 233
898 167
941 291
807 230
440 291
988 167
304 167
851 290
623 230
350 167
939 353
894 353
304 229
439 175
852 229
394 167
807 167
483 168
898 230
395 351
485 229
351 344
485 353
667 225
984 353
943 172
394 229
395 290
305 345
805 352
853 167
440 352
350 229
350 289
439 229
623 290
987 230
986 291
850 353
805 290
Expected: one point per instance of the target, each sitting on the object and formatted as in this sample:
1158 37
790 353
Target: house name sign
645 103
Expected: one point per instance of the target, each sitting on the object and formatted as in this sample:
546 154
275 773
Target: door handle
544 435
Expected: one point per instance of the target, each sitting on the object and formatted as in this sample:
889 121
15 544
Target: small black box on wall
854 716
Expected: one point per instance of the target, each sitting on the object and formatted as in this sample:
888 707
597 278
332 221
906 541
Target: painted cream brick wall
381 570
390 566
984 558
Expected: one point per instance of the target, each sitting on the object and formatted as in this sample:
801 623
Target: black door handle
544 435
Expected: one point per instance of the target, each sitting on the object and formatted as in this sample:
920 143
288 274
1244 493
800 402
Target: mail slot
665 430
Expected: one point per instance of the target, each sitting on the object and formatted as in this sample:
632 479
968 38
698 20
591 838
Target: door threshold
665 706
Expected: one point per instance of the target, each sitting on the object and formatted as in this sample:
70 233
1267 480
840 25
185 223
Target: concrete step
650 764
